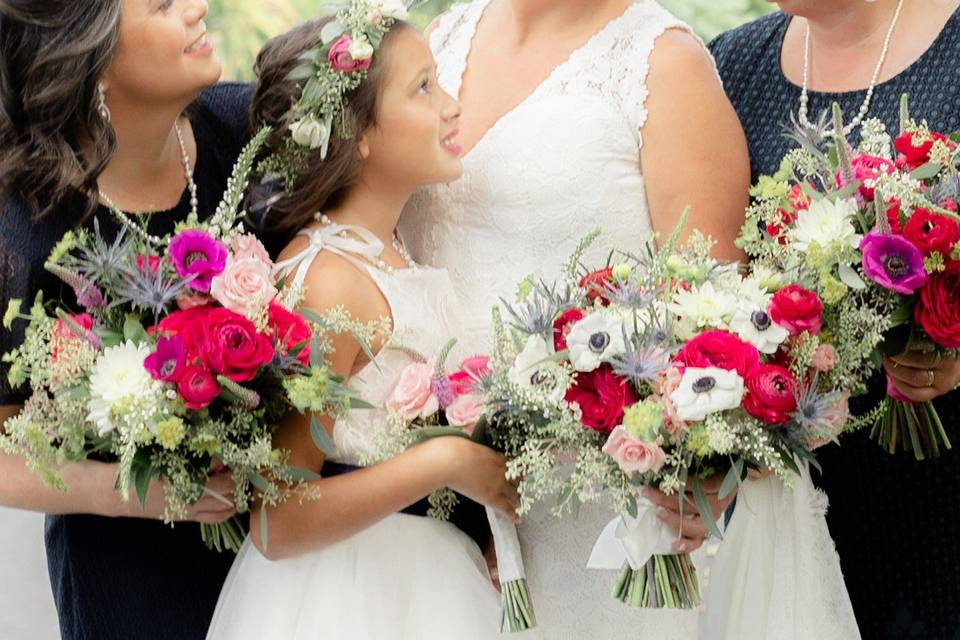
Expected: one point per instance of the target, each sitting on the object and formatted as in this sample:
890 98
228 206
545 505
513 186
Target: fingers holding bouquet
921 375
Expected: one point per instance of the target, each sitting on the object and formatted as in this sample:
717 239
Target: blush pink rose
633 455
340 59
824 358
248 246
412 397
466 410
245 286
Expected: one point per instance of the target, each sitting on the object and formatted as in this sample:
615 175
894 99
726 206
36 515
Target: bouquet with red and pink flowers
662 369
428 402
181 362
874 232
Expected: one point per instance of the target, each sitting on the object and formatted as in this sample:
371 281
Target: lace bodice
563 162
424 313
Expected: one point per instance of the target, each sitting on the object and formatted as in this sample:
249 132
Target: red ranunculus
596 282
463 381
602 396
197 387
867 167
719 349
938 310
562 326
914 148
931 232
771 394
893 215
233 347
290 330
797 310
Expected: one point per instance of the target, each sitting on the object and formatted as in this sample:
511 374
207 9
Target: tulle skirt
405 578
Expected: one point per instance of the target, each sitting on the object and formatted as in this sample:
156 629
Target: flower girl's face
414 139
164 53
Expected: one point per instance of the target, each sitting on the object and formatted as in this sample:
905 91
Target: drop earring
102 107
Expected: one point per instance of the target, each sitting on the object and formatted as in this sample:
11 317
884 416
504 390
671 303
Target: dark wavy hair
53 141
320 183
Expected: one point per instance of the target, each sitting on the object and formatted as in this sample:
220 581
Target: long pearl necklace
865 107
379 262
139 230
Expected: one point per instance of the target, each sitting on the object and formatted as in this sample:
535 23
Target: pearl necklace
139 230
865 107
377 261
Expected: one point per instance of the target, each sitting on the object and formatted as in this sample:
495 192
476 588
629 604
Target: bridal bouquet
660 369
181 364
428 402
874 231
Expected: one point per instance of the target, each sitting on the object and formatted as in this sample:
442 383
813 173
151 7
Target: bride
578 114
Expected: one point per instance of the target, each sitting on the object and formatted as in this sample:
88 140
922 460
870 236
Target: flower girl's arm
694 150
91 489
351 502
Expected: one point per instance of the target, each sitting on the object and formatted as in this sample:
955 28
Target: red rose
602 396
290 330
341 60
562 326
797 310
771 394
893 215
938 310
931 232
719 349
914 148
197 387
464 381
596 284
233 347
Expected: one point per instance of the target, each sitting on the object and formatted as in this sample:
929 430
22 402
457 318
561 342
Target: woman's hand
477 472
689 526
209 509
921 374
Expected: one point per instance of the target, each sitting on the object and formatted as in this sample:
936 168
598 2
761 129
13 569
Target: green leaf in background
241 27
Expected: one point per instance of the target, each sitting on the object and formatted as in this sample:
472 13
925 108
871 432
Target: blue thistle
641 364
535 314
100 260
817 412
146 291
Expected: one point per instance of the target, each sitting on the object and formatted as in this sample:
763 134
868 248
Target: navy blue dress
127 578
894 520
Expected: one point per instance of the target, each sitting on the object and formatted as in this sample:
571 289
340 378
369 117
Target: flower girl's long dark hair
322 183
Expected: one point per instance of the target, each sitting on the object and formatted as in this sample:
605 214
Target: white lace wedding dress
563 162
405 578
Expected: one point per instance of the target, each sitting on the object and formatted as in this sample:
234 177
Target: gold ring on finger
931 377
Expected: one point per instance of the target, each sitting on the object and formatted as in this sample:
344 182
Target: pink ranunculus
290 330
248 246
233 347
197 387
245 286
633 455
867 168
668 383
412 397
824 358
464 381
771 394
340 59
797 310
466 410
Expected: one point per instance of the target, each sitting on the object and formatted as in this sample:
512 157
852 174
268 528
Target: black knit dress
126 578
895 520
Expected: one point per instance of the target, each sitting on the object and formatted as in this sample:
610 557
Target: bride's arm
351 502
694 150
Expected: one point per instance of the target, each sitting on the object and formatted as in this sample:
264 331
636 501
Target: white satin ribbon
633 540
331 237
507 545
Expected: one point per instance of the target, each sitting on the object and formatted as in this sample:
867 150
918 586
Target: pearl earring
102 107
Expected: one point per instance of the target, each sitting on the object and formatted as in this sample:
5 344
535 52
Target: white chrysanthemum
533 369
595 339
755 326
703 307
824 224
706 390
768 278
118 376
752 294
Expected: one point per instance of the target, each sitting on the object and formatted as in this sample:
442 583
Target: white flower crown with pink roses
328 71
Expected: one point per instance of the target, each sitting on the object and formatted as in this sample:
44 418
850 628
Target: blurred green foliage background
240 27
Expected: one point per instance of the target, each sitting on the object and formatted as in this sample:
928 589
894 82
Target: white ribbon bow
633 540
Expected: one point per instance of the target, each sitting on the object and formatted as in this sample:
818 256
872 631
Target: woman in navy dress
110 101
894 519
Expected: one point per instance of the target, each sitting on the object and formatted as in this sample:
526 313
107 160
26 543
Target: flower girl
358 123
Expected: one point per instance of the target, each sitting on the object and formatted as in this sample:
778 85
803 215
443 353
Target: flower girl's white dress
406 577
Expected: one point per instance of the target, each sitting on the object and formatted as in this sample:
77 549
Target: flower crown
327 72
